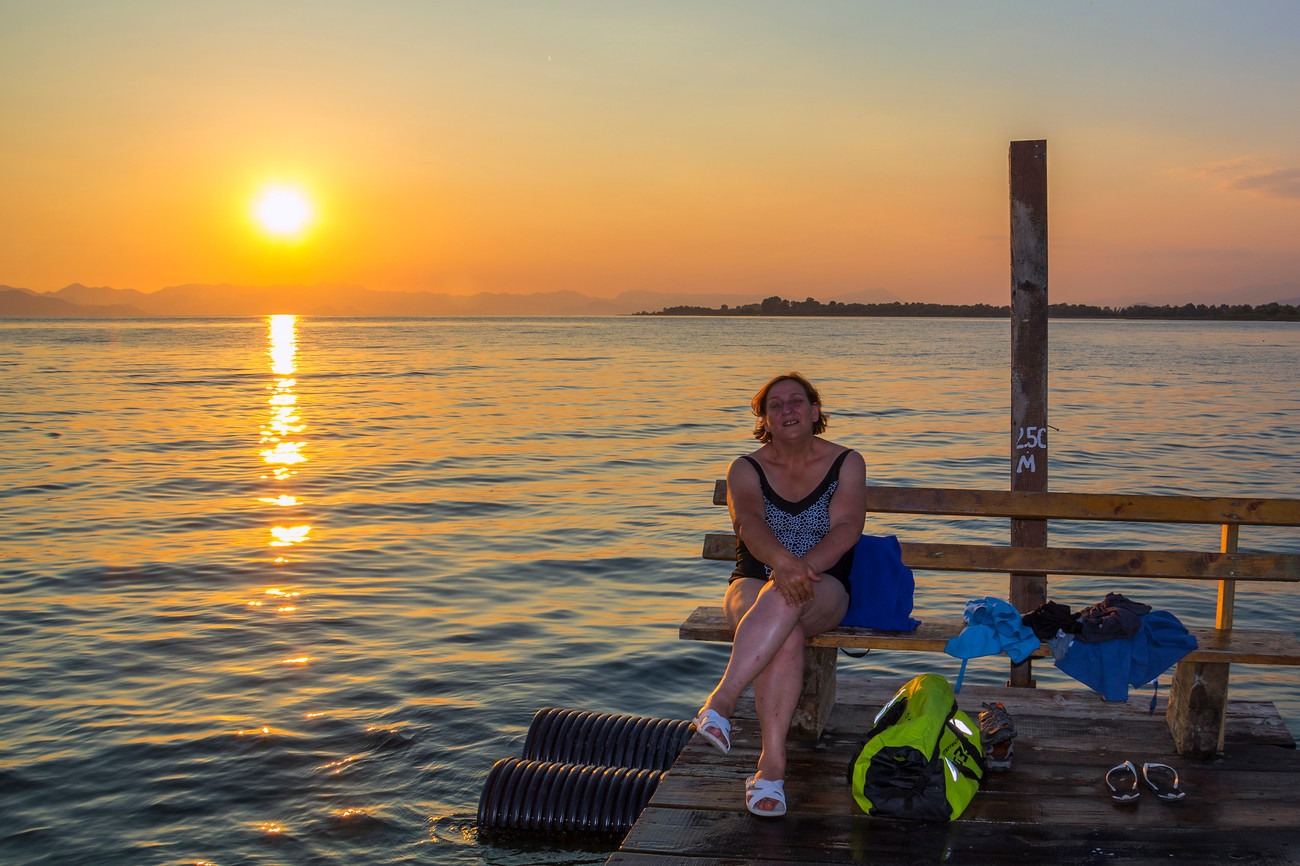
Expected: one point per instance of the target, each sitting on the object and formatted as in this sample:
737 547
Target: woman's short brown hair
759 405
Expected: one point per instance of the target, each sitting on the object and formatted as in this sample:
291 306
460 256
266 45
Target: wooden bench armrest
1244 646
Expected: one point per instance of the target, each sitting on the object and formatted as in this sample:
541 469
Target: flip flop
713 719
757 790
1126 791
1163 788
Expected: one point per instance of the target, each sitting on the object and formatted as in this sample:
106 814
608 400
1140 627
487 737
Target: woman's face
789 414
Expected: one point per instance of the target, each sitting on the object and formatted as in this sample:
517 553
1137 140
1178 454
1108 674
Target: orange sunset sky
810 148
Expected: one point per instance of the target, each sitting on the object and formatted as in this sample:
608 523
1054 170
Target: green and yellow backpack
922 757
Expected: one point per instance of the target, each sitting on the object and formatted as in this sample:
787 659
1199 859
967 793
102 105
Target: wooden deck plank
1249 722
1240 646
692 837
1051 806
1063 788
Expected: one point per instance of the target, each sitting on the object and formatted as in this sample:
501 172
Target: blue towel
1112 666
882 586
992 626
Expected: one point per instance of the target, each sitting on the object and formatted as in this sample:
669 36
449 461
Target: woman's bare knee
740 597
826 610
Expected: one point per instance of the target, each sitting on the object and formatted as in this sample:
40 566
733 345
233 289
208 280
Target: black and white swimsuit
797 525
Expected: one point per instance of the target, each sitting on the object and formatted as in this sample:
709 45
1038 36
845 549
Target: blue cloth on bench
992 626
1110 667
881 597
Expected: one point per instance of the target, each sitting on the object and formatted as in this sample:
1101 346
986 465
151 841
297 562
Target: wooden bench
1199 692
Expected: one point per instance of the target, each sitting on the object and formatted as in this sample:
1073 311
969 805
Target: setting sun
282 211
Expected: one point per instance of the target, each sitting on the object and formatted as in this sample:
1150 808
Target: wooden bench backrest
1128 507
1226 565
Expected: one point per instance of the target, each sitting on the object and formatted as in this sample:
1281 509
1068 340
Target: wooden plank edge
1240 646
1060 505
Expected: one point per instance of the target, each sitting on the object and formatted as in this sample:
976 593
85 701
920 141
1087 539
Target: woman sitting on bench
798 505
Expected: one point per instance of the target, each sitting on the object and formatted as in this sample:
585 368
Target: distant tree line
777 306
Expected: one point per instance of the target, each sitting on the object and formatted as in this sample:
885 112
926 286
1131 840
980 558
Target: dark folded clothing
1049 618
1113 618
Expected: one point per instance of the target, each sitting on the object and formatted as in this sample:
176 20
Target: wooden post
1227 588
818 696
1198 705
1028 174
1198 693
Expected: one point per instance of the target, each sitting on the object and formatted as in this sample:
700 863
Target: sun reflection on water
282 450
288 536
282 500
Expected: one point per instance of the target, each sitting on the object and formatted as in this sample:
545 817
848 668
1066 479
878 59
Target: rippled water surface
281 591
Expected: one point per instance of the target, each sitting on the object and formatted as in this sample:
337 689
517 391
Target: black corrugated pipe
563 800
603 739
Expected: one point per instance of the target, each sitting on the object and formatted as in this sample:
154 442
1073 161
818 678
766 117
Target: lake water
281 591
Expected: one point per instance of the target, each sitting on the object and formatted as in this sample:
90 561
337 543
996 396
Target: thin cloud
1249 173
1238 166
1279 183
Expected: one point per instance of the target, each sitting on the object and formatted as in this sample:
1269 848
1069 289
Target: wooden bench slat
1242 646
1030 505
1139 508
1074 561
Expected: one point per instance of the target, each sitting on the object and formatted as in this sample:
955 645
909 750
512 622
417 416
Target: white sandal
713 719
758 790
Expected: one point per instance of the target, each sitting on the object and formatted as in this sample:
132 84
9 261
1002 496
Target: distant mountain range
332 299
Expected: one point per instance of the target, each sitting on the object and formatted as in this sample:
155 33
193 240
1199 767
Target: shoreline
780 308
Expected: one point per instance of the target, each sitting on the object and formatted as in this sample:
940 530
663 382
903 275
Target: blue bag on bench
881 597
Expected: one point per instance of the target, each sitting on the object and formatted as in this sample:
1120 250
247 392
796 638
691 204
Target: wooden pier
1053 806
